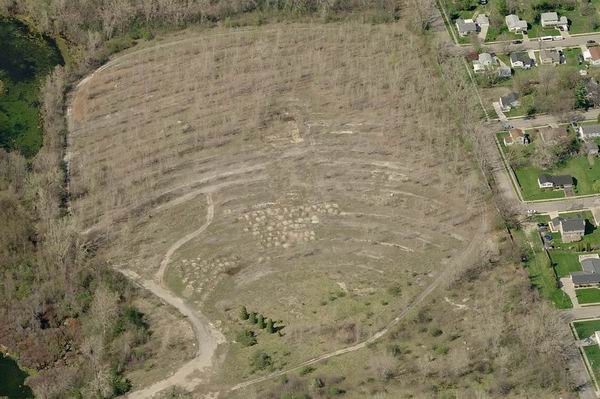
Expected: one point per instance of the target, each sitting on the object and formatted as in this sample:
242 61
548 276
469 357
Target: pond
12 380
26 57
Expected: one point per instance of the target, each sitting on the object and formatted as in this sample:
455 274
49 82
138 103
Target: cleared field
309 173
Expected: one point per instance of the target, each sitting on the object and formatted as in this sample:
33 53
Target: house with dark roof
509 101
555 182
570 229
521 59
590 274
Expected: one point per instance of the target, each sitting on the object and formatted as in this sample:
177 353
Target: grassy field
592 353
588 295
541 273
310 173
537 30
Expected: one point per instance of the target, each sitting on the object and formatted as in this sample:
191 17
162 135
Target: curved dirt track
208 337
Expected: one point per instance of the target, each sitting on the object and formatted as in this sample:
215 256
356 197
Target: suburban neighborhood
536 72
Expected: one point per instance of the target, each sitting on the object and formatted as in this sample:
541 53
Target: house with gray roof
549 181
551 19
570 229
590 274
591 148
466 27
588 131
521 59
509 101
515 24
550 56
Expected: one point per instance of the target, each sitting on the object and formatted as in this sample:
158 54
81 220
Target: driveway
567 286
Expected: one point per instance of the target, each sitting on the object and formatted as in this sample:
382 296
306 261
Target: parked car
542 225
558 38
517 41
591 42
548 237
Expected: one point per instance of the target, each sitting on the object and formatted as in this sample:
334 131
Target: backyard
592 353
586 329
565 262
541 273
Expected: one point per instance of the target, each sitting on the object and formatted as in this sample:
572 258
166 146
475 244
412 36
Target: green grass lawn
526 101
572 56
586 328
592 352
588 295
537 30
578 22
565 262
541 273
528 181
578 167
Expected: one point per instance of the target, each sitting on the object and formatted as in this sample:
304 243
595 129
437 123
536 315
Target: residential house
466 27
521 60
591 148
551 19
588 131
553 135
570 229
485 61
590 274
515 24
592 55
482 21
550 57
516 136
555 182
504 71
509 101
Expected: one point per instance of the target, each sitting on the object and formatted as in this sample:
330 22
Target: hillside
317 175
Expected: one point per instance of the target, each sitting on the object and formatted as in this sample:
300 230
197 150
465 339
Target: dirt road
208 337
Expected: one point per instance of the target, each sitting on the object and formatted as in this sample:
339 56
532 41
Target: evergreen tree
260 321
244 313
270 326
252 317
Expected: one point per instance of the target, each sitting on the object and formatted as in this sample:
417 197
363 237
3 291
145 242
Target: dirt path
444 276
208 337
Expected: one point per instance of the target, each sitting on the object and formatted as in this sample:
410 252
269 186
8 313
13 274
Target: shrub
244 313
252 318
261 360
246 338
436 332
306 370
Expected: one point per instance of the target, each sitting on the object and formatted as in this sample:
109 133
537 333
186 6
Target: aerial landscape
299 199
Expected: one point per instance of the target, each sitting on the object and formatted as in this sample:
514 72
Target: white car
545 39
558 38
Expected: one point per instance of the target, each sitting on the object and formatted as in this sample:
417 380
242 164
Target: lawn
527 177
526 101
541 273
578 167
586 328
565 262
588 295
578 22
537 30
592 352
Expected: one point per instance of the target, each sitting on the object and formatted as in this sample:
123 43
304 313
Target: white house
515 24
551 19
485 61
588 131
592 55
515 136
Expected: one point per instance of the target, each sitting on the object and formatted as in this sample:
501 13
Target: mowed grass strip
588 295
586 328
542 276
592 352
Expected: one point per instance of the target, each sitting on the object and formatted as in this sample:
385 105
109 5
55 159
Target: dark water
25 59
12 380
